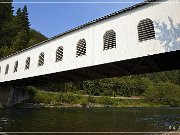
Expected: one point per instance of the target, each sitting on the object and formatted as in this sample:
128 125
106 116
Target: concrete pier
6 95
10 95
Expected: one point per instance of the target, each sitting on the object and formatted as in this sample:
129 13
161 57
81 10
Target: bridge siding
127 45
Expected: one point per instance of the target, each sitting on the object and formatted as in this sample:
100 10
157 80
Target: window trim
81 48
110 36
59 53
41 59
15 66
27 63
146 30
7 69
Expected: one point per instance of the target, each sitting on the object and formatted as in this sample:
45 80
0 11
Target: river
89 120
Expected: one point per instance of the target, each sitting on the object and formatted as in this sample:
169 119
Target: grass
134 103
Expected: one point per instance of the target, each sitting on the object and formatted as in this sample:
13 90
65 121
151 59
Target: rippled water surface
91 119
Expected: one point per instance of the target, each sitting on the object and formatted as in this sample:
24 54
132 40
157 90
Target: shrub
69 97
80 92
41 97
130 87
163 93
92 87
84 103
46 97
106 101
70 87
91 99
32 91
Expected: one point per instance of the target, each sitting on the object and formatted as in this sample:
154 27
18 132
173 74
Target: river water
90 120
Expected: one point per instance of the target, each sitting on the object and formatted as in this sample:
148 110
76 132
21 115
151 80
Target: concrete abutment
10 95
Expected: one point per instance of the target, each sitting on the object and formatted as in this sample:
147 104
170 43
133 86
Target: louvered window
41 59
109 39
27 65
16 66
81 47
59 54
146 30
7 69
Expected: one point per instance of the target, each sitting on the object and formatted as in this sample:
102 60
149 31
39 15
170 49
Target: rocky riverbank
59 105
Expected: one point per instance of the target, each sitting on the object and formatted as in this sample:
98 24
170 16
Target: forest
161 87
15 31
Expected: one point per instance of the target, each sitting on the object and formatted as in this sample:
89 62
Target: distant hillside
36 37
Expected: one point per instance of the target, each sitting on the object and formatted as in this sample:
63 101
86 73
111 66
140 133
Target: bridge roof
85 25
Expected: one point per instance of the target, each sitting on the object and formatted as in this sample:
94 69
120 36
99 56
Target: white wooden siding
127 45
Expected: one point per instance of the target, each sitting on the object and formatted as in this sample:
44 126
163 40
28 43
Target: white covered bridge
139 39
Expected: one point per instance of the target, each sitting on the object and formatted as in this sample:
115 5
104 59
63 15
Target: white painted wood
127 45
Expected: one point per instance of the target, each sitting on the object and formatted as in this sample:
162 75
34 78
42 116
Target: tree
15 32
36 37
6 26
22 27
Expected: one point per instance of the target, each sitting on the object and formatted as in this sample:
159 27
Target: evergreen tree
22 29
6 27
26 19
6 13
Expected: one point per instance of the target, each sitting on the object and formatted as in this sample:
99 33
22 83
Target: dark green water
91 119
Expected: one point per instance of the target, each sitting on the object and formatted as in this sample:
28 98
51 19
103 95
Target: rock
108 106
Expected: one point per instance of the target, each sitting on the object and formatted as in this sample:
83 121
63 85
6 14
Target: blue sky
54 18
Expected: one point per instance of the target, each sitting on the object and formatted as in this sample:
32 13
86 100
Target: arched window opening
16 66
59 54
146 30
27 65
109 39
7 69
41 59
81 47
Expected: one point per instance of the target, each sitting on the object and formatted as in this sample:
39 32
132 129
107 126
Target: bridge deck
154 63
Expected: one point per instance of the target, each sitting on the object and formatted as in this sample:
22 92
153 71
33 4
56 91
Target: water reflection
92 119
5 123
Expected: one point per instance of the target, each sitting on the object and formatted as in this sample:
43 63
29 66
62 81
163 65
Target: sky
54 18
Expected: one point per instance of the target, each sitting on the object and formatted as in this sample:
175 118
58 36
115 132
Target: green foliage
6 28
135 86
92 87
163 93
68 97
70 87
15 30
84 103
32 91
22 29
5 51
167 76
46 97
35 37
54 97
106 101
130 87
91 99
115 86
